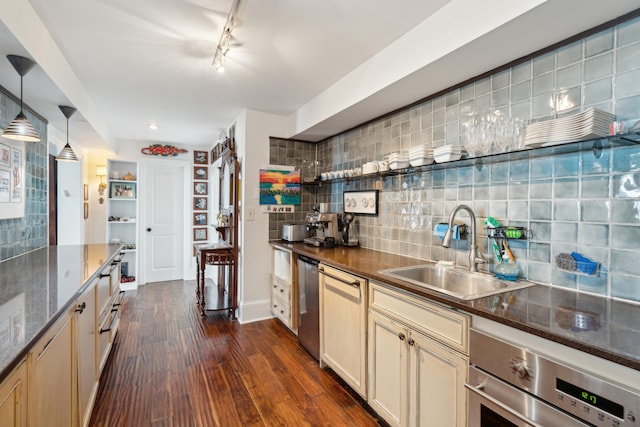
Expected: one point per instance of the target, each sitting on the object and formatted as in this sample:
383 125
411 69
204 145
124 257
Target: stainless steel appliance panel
494 403
309 305
294 232
514 382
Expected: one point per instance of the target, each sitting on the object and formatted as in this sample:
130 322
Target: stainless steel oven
513 386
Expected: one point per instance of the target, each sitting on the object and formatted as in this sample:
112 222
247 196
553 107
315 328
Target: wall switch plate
251 214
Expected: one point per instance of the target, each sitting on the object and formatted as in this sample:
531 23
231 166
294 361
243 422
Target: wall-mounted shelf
594 145
509 233
125 206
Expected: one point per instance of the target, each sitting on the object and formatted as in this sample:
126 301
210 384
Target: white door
163 224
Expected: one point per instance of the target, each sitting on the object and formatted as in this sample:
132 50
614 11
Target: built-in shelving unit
122 216
596 146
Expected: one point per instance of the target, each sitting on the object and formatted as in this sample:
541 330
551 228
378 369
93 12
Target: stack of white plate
589 124
398 160
420 155
447 153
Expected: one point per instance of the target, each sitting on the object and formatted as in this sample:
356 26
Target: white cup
324 176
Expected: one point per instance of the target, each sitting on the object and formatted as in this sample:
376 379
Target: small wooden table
220 254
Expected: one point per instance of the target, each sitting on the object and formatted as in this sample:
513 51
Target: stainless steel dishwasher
308 305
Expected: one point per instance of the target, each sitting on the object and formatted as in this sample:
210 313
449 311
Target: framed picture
200 203
86 192
200 157
200 188
199 234
86 210
200 218
5 156
122 190
200 172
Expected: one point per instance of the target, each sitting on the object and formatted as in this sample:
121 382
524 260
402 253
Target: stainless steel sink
458 283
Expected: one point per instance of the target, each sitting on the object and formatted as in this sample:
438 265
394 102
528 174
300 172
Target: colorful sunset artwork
279 187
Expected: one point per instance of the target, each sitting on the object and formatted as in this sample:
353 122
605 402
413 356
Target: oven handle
478 389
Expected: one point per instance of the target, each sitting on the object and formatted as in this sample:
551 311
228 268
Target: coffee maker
323 228
349 230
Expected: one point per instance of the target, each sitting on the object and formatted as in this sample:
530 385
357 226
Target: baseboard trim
254 311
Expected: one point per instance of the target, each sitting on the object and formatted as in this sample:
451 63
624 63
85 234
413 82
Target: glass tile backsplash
21 235
582 201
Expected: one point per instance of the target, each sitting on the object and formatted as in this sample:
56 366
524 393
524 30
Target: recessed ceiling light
153 126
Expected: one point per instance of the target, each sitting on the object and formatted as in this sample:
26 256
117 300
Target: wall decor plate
163 150
361 202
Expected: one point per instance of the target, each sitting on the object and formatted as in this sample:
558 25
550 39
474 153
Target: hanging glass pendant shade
67 154
20 128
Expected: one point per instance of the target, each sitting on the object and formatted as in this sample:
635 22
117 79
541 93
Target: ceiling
150 61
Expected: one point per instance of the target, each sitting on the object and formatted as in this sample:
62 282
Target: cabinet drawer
437 321
281 311
281 290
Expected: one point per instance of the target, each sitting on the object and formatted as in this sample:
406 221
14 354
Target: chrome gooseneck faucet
474 258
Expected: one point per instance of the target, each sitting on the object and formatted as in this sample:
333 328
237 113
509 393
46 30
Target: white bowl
421 161
399 164
446 157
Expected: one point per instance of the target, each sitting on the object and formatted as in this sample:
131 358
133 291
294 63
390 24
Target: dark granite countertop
545 311
38 287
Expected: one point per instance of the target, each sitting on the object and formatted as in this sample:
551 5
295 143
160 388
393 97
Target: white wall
70 204
253 130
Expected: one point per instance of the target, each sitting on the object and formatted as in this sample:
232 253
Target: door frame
145 162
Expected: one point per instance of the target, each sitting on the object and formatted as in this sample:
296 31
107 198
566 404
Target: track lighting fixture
220 57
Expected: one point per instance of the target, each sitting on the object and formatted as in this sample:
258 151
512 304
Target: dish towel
441 228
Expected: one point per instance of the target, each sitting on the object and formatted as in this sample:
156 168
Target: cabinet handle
113 319
81 307
355 283
410 341
401 336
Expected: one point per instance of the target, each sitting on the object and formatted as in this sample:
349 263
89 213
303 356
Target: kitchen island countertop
542 310
38 287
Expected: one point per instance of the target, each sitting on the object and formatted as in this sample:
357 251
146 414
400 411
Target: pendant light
20 128
67 154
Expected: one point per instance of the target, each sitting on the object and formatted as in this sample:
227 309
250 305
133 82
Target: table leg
198 280
203 265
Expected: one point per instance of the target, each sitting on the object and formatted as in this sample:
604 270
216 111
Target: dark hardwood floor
169 367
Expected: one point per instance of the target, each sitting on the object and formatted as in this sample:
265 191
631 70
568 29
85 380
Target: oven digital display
590 398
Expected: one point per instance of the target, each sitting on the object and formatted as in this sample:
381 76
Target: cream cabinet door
388 369
13 398
343 326
51 377
436 384
86 320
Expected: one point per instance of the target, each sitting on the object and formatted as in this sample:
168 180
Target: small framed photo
86 210
86 192
200 157
199 234
200 188
200 203
122 190
200 218
5 156
200 172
